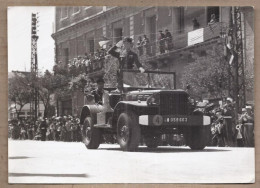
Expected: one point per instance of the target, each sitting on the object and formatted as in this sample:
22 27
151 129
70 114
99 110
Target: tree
51 84
19 91
207 74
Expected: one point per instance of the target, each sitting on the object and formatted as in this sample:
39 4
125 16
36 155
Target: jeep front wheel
91 136
128 131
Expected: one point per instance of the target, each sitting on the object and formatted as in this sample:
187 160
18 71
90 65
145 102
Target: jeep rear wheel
152 141
91 136
128 131
197 137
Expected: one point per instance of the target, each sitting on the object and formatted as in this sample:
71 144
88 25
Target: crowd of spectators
64 128
229 129
87 63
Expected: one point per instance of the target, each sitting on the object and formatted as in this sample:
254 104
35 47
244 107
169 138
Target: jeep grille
174 103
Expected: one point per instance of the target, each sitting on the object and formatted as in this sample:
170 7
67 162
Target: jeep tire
128 131
91 136
197 137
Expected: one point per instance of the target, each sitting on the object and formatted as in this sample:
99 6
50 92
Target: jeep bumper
158 120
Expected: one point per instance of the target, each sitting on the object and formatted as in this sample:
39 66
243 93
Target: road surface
70 162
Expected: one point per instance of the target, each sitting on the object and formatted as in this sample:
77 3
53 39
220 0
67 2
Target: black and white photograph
123 94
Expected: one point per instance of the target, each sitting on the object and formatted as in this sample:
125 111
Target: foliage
111 67
207 74
249 76
19 91
79 82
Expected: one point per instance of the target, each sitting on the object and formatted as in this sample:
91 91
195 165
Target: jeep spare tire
91 136
128 131
197 137
152 141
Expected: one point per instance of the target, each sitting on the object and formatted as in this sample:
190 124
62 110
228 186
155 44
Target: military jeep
147 110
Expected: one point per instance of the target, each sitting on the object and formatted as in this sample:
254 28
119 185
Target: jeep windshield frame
149 74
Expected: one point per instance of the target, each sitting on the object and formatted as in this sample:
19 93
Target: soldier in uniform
228 112
127 58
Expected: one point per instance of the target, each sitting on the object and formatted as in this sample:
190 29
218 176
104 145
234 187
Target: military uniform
126 61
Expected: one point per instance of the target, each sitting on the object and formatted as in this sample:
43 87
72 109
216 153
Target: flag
103 42
231 59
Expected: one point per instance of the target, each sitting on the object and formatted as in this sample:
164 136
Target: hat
243 110
100 80
229 99
128 39
248 107
166 30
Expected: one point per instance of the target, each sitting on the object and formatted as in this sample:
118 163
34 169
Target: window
64 12
181 19
118 34
212 11
66 55
76 10
91 45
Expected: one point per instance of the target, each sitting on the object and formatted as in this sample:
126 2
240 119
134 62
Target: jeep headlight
154 99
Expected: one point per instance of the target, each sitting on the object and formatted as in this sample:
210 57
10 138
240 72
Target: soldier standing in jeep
127 58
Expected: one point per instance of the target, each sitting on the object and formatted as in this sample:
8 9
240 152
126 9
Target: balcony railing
153 50
181 41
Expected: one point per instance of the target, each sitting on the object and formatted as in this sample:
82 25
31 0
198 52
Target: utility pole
34 105
237 77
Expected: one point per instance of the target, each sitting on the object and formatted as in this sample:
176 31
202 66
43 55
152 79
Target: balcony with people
168 42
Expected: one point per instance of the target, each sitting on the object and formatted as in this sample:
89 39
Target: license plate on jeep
158 120
175 120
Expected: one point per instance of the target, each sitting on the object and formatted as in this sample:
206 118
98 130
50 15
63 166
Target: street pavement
70 162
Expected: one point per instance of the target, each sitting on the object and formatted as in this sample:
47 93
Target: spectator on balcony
168 37
212 20
140 46
146 44
196 24
161 42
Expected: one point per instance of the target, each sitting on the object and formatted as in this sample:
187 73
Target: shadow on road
19 157
47 175
168 150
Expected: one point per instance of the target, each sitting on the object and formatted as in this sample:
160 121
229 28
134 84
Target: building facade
25 111
78 30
